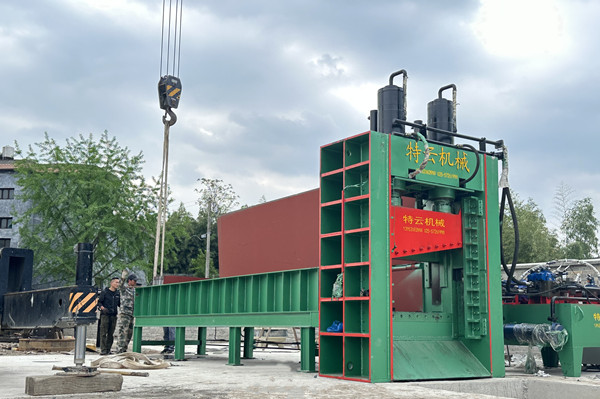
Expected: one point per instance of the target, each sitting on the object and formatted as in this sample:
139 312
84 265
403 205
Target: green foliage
216 199
579 227
185 244
181 241
536 242
85 191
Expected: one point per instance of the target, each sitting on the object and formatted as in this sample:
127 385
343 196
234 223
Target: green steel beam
202 341
282 292
137 339
278 299
381 340
308 347
162 342
248 342
235 336
179 343
282 319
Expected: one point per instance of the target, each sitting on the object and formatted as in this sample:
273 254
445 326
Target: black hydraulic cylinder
553 334
85 259
441 114
373 120
391 105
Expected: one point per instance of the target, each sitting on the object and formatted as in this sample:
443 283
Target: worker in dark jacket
108 302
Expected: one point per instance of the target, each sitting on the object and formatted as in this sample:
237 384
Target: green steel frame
278 299
459 336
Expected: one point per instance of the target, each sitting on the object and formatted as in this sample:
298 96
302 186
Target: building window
7 193
6 223
4 242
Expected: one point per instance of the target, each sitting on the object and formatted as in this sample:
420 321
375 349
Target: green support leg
549 357
307 349
137 339
179 343
248 342
235 340
202 338
570 360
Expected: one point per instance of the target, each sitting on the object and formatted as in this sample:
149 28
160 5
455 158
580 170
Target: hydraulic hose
506 197
464 182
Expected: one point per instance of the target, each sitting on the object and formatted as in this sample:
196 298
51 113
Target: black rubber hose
506 197
462 184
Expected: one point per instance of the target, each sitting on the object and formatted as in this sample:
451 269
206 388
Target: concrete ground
274 373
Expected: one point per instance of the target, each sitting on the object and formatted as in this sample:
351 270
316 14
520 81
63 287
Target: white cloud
520 28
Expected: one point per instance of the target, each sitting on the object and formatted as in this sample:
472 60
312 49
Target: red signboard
417 231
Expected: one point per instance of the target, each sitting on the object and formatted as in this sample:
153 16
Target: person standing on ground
126 314
108 302
168 335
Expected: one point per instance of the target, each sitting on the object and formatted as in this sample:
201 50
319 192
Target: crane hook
171 121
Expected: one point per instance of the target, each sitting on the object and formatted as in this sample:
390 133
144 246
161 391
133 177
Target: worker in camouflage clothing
126 312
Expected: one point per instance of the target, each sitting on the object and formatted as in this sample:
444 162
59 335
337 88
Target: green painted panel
331 349
494 276
431 360
445 167
420 326
381 340
285 291
356 150
356 357
332 157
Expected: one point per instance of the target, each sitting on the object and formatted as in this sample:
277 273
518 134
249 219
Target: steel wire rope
175 35
162 38
179 48
169 36
159 245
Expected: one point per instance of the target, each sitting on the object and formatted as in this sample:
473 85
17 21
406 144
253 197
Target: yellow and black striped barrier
83 301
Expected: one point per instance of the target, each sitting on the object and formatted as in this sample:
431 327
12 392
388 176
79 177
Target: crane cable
169 93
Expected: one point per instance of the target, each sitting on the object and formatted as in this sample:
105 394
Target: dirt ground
272 373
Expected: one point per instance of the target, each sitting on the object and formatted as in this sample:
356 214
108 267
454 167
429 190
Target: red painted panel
173 278
418 231
407 292
277 235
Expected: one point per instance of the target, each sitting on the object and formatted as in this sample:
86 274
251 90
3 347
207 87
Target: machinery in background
556 306
409 283
62 307
410 222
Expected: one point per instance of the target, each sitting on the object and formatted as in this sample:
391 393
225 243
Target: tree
578 224
579 227
536 242
85 191
563 201
181 241
216 198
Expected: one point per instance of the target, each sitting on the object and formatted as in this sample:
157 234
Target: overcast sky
266 83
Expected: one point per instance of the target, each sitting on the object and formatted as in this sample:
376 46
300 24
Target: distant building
10 206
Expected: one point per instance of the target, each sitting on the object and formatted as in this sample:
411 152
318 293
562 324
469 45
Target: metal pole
80 335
